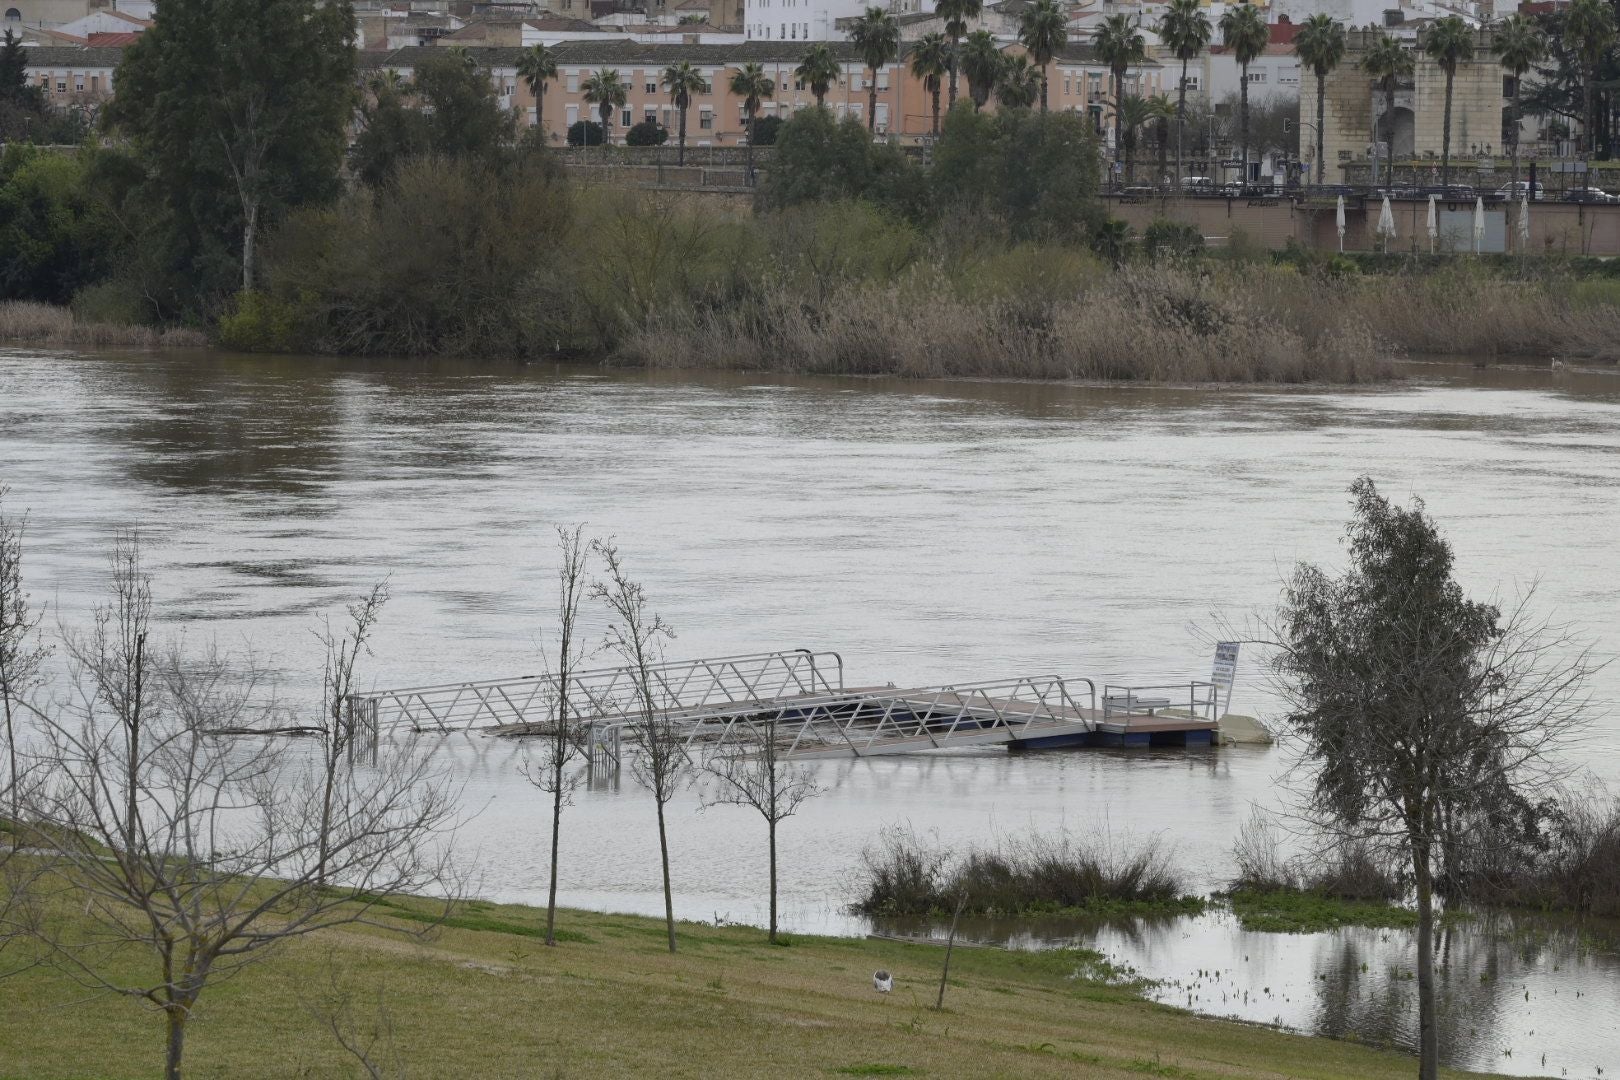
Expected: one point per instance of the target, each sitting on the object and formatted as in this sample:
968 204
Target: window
573 82
804 29
857 81
13 15
78 84
706 119
650 115
1257 76
652 85
1507 85
883 79
626 117
61 86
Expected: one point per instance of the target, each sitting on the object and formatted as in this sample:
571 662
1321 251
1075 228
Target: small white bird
882 982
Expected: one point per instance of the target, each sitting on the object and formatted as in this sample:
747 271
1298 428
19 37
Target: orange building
1079 82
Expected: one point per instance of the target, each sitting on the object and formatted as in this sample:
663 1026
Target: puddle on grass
1519 994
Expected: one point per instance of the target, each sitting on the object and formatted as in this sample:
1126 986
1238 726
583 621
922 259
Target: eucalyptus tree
1428 722
1320 46
607 92
956 14
1448 42
1043 30
1519 44
1120 44
819 70
753 85
682 80
1019 83
1388 61
536 67
1185 30
982 62
1589 26
1244 31
930 62
876 37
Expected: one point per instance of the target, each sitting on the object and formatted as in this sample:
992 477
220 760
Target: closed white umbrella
1386 223
1434 225
1524 224
1479 225
1339 220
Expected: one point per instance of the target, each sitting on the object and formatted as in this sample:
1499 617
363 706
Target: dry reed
1144 324
26 323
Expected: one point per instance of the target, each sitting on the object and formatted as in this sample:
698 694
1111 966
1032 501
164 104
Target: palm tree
682 80
1244 31
750 83
956 14
1119 43
1185 31
981 64
930 62
604 90
1389 62
1043 28
1448 42
1163 114
1519 43
1131 116
1320 46
1589 26
1019 84
818 70
877 39
536 67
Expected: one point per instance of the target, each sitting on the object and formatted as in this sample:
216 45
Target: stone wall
1555 228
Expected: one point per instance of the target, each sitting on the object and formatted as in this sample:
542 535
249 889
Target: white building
798 20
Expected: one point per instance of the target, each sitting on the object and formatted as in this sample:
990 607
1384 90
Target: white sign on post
1226 658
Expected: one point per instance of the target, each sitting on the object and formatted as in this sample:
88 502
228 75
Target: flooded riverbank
930 532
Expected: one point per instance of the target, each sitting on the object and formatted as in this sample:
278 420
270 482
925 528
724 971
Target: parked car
1198 185
1519 190
1590 195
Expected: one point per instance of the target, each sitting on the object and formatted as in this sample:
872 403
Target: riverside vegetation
455 235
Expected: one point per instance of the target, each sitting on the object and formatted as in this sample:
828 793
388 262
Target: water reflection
1520 994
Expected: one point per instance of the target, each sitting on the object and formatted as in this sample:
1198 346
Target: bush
584 133
259 323
1171 239
1035 172
905 875
647 133
765 130
819 159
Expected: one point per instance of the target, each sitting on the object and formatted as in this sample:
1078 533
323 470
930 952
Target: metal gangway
795 701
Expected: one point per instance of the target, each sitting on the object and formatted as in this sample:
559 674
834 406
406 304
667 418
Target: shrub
905 875
765 130
646 133
259 323
1172 239
584 133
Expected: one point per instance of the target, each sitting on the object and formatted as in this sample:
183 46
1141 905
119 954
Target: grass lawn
486 999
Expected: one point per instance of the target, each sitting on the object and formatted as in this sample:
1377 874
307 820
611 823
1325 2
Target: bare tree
752 772
1421 711
368 1039
338 721
659 761
563 740
206 852
21 652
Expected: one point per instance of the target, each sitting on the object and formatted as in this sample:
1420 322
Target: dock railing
600 694
1194 698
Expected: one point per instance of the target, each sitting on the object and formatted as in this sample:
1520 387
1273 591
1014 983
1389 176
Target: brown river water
929 532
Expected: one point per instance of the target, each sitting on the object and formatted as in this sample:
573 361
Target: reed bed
903 874
24 322
1146 324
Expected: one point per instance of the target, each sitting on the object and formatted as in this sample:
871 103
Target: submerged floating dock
797 700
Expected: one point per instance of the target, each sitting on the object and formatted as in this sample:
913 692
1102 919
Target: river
929 532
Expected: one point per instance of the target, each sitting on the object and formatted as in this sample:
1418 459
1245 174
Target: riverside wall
1555 228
